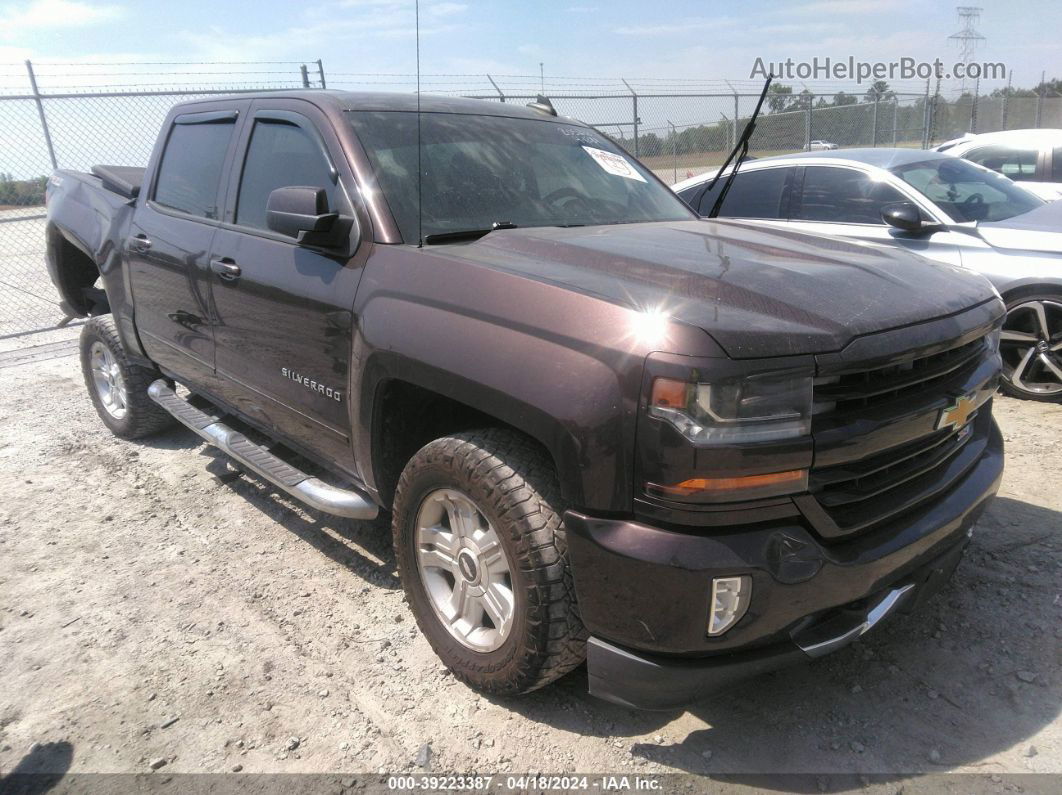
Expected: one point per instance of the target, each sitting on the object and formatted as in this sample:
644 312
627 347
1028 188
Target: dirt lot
156 606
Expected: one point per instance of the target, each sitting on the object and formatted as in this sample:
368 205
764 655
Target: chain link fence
678 128
41 130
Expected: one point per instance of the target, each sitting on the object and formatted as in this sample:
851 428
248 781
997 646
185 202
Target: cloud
668 28
845 7
445 9
50 14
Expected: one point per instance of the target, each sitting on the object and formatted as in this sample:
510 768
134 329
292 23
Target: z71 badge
312 385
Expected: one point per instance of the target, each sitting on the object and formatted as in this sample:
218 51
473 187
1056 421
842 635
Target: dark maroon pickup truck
685 451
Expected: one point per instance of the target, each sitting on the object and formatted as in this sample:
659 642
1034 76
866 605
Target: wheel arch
406 415
1033 287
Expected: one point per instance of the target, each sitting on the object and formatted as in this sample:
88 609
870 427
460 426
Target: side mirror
907 217
302 213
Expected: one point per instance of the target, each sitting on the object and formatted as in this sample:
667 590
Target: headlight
757 408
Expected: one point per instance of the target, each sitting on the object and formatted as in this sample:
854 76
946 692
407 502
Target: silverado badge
313 386
957 414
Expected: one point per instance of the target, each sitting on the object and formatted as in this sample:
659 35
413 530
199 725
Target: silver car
1031 157
936 205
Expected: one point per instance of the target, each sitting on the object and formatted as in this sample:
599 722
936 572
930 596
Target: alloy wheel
1031 347
465 570
107 378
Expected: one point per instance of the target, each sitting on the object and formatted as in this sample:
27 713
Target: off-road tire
1006 387
513 483
143 416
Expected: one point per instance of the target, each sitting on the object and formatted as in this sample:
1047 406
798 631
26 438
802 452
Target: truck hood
757 291
1036 230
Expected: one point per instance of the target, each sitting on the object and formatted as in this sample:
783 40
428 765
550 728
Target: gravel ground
158 610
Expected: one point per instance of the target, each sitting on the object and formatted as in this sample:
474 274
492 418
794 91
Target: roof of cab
381 101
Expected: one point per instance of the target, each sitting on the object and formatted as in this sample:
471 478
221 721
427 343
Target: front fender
556 364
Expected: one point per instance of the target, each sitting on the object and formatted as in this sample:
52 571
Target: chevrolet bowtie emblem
957 414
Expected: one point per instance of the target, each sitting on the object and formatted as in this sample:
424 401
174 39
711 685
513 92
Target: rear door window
754 194
191 167
843 195
1056 167
1018 164
280 155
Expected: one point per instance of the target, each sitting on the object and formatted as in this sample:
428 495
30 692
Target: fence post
895 119
874 120
634 110
320 73
501 96
1039 99
1006 102
305 76
807 126
973 108
40 112
926 118
733 127
674 152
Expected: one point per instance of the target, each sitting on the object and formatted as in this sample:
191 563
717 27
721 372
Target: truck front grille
879 453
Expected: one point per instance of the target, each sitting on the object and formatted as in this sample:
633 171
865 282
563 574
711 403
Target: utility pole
968 37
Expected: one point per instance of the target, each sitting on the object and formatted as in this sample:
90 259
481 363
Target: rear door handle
139 244
228 270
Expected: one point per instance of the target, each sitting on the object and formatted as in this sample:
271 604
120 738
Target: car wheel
1031 347
117 388
481 551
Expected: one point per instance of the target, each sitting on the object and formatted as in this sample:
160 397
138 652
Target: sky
579 38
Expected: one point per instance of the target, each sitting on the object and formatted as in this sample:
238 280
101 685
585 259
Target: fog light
730 600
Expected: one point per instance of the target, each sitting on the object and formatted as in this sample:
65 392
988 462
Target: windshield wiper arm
741 150
465 234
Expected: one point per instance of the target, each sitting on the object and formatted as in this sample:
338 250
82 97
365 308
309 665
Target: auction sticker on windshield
613 163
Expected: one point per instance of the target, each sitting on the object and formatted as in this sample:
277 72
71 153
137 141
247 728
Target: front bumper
643 590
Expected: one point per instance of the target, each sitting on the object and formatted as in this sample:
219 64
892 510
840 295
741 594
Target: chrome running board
310 490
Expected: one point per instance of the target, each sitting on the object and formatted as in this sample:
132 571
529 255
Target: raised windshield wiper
465 234
741 150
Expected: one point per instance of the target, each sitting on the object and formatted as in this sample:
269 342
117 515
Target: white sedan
1031 157
821 146
935 205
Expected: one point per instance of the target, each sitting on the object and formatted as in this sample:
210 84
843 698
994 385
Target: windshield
482 170
967 192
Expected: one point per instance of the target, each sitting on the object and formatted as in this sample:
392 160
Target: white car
1031 157
932 204
821 146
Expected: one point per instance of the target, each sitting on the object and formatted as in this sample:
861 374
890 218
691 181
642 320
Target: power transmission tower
969 38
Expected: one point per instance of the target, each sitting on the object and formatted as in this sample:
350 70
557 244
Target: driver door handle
139 244
226 268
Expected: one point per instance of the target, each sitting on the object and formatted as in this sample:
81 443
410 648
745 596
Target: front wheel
481 551
1031 347
118 388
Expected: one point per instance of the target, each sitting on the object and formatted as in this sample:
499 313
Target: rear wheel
1031 347
481 551
118 388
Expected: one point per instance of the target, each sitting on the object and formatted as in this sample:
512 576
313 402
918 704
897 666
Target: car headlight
756 408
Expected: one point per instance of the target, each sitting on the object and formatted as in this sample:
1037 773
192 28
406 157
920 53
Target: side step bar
312 491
